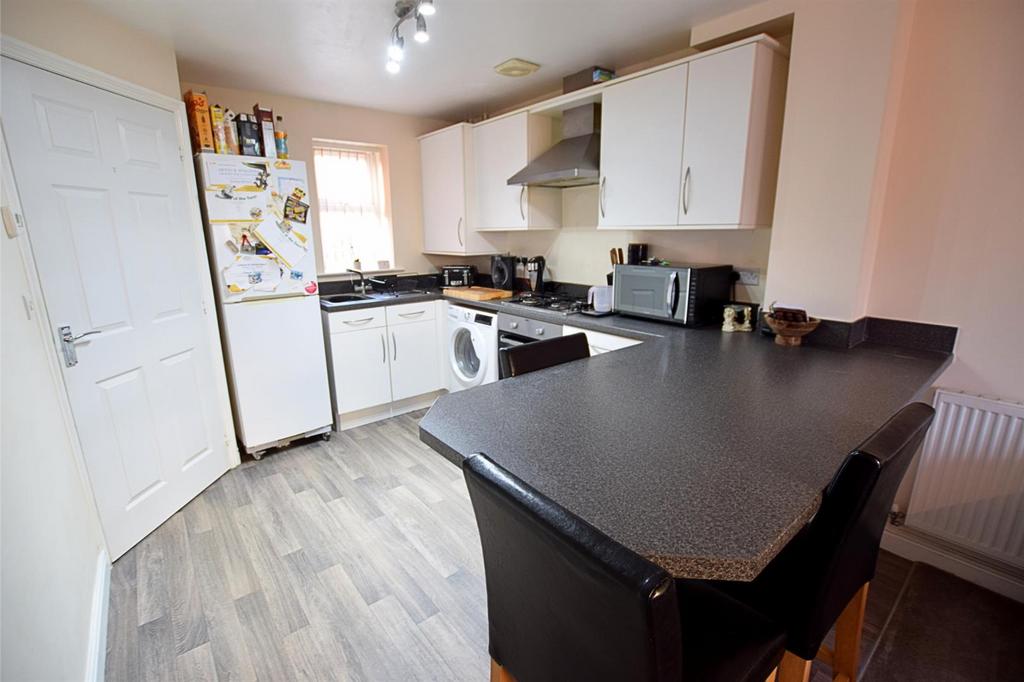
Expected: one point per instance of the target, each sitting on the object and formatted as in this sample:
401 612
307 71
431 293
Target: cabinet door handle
600 196
686 191
522 193
412 314
357 322
458 232
383 350
394 347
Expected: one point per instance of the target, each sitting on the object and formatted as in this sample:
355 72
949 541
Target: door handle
672 298
394 348
522 193
686 191
67 343
600 196
383 350
458 232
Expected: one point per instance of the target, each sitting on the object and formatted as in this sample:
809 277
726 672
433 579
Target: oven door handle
672 296
505 342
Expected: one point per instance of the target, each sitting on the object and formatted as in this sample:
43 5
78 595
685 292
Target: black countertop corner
703 451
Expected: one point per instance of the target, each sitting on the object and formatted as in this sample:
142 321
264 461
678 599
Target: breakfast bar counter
703 451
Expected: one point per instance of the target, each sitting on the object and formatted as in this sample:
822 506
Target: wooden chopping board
477 293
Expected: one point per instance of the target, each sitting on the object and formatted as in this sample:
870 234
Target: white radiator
969 488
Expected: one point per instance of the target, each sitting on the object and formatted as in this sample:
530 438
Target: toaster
457 275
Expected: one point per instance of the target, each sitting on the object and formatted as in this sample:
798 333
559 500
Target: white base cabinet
600 342
381 358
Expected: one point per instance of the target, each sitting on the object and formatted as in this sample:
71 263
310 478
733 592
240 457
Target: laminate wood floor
354 559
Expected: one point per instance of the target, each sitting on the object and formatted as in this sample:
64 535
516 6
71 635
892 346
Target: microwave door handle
672 297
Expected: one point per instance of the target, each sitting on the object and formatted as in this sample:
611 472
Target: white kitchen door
103 192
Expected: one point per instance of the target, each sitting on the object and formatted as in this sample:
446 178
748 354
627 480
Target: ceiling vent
516 68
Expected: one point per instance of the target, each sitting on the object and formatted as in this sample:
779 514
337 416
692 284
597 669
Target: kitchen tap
362 281
372 280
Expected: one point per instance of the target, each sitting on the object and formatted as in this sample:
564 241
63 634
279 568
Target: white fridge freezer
263 264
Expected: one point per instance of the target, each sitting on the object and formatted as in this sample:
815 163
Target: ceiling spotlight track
406 10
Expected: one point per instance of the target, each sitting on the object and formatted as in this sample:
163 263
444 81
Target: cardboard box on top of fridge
197 108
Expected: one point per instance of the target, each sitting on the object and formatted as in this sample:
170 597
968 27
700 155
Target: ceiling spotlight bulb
392 66
426 8
396 50
421 35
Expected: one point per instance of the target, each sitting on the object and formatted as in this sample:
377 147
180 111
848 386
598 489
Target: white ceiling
334 50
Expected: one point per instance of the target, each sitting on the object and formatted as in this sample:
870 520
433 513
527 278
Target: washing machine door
466 355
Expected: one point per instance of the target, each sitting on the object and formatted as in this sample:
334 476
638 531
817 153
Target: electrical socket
750 278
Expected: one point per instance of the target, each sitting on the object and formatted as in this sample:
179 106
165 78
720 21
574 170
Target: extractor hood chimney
575 160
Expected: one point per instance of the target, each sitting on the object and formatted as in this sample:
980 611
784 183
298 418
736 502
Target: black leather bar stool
542 354
821 577
566 602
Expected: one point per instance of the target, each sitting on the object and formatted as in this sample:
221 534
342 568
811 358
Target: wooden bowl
791 333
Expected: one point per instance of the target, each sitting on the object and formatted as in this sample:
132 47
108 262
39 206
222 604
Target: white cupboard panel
415 354
361 375
601 342
641 149
715 145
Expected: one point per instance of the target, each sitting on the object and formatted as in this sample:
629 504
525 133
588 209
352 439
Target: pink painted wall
951 244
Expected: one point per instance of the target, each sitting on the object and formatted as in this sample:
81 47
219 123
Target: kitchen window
355 211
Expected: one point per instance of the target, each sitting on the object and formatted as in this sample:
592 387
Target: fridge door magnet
295 209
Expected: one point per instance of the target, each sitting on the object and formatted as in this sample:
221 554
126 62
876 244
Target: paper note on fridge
236 192
277 236
247 271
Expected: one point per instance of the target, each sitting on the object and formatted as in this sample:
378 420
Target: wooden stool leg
848 632
793 669
499 674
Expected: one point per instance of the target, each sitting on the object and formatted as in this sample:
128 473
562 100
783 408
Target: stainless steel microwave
690 295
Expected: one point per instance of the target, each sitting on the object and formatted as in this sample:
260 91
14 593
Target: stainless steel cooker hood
574 161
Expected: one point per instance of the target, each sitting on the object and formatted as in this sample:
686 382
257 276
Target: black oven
516 330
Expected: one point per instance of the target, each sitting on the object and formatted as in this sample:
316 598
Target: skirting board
95 665
916 547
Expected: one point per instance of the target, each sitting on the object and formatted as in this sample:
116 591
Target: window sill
345 276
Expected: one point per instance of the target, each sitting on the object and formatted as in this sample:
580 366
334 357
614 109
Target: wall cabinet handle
522 194
686 191
458 232
600 196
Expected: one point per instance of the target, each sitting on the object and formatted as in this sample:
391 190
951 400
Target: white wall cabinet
501 148
445 164
381 356
696 145
731 142
693 144
641 147
600 342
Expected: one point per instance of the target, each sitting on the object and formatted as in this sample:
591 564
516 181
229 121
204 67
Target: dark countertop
703 451
611 324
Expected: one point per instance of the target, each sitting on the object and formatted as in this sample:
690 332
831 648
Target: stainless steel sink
346 298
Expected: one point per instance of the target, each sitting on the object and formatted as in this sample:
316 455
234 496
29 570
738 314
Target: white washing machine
472 349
